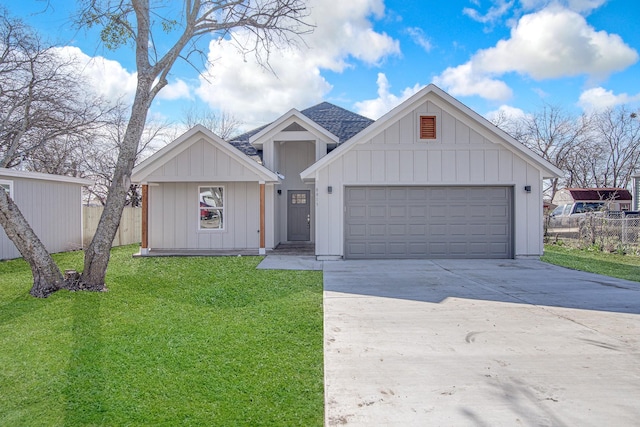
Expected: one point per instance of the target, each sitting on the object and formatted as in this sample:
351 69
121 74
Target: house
430 179
616 199
52 204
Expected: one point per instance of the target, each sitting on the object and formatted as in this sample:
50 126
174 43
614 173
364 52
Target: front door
299 215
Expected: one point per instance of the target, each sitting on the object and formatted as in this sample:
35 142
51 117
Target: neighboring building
430 179
52 204
616 199
636 192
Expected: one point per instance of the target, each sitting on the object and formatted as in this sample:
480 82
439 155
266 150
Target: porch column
262 250
144 249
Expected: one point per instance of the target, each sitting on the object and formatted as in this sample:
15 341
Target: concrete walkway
479 343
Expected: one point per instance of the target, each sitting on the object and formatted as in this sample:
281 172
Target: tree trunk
47 277
96 257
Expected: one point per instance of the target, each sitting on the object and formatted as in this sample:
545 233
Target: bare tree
41 107
223 124
617 152
552 133
41 96
269 21
98 160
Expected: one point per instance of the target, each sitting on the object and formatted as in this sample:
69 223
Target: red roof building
617 198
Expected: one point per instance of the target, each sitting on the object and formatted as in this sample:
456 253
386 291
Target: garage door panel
357 230
397 211
377 230
354 212
399 193
377 194
377 248
417 230
356 193
377 212
428 222
397 230
397 248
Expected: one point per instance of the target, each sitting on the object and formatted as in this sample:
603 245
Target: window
427 127
7 186
298 198
584 207
211 208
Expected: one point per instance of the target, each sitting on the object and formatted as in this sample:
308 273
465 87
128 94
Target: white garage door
428 222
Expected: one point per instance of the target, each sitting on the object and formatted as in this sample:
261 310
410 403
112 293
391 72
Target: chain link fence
614 232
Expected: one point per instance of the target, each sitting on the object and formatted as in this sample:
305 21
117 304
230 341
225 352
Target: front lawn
175 341
614 265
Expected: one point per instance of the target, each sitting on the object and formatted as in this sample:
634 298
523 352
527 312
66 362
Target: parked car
565 220
578 208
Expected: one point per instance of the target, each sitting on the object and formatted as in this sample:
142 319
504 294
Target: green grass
614 265
175 341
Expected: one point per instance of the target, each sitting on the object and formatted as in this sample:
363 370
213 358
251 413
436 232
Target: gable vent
427 127
295 126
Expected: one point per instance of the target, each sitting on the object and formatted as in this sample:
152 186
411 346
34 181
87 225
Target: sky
367 56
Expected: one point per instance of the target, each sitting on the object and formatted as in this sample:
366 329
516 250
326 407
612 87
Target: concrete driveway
479 343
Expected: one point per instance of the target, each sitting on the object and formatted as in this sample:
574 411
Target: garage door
428 222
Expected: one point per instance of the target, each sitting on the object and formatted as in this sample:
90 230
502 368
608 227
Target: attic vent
293 127
427 127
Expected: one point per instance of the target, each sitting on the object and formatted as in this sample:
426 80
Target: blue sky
369 55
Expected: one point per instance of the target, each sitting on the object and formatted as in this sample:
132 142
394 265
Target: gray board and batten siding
52 205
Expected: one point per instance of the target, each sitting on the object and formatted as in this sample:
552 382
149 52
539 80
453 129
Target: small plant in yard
175 341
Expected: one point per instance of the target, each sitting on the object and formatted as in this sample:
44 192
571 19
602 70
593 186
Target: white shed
51 203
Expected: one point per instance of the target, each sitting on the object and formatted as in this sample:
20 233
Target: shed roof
599 193
12 173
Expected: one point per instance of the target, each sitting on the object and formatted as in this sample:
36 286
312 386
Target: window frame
437 126
8 183
221 209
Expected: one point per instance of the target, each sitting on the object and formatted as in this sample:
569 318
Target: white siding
461 156
174 217
202 161
54 211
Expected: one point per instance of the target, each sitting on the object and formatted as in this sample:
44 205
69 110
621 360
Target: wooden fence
130 230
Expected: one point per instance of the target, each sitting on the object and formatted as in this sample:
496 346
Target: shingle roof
341 122
599 193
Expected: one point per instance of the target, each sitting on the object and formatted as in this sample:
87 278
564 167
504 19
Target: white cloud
343 32
580 6
418 36
505 112
176 90
555 43
552 43
495 12
106 78
599 98
375 108
464 80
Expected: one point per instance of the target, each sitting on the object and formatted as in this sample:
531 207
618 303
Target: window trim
8 183
223 210
437 126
